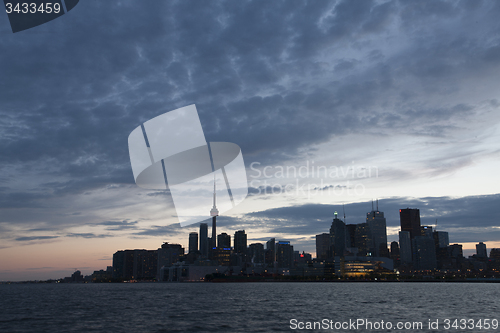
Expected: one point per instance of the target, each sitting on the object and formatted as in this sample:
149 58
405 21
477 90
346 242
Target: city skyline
332 103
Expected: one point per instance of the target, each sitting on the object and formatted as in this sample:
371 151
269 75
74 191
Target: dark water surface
239 307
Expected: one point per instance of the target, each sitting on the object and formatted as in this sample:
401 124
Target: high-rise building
378 229
495 254
193 242
455 251
271 251
481 251
323 247
168 254
410 221
256 253
395 252
405 247
284 254
240 242
363 240
424 253
135 264
338 234
351 229
204 239
426 230
224 240
441 239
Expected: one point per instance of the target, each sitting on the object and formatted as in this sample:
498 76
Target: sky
333 103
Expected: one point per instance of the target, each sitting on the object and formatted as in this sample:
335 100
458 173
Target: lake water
243 307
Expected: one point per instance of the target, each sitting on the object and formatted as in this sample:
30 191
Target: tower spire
214 211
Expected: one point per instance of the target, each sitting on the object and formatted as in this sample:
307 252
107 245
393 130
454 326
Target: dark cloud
275 77
34 238
119 225
87 235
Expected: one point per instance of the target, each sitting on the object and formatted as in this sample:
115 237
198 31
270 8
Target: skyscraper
426 230
204 239
410 221
378 229
284 254
224 241
395 252
168 254
271 251
338 234
351 229
323 247
363 239
481 251
441 239
257 253
405 247
240 241
193 242
424 253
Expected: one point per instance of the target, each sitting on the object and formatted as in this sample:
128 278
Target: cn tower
214 212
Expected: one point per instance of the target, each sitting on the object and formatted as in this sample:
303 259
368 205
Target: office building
426 231
323 247
424 253
378 231
395 253
481 251
135 264
222 255
351 230
240 242
271 251
338 235
193 242
224 241
284 254
168 254
257 254
204 239
441 238
495 254
405 254
363 240
410 221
